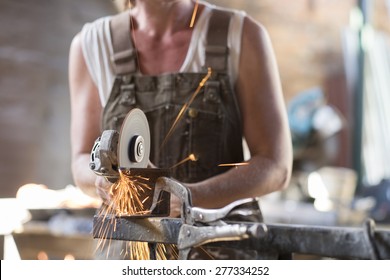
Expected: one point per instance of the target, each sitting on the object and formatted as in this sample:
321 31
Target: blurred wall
34 98
306 35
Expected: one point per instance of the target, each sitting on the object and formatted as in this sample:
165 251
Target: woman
248 100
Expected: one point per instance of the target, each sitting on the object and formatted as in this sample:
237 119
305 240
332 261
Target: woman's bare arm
85 118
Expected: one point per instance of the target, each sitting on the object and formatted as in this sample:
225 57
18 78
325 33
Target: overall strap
124 54
217 48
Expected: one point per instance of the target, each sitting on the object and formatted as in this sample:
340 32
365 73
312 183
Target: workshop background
334 62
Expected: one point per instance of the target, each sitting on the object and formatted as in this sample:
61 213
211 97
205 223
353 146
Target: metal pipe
365 7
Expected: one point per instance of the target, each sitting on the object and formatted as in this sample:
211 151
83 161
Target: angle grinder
128 151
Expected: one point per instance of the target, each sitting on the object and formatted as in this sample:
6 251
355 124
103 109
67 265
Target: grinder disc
134 141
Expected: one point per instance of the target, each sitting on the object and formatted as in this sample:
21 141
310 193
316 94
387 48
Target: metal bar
333 242
365 7
157 230
2 247
330 242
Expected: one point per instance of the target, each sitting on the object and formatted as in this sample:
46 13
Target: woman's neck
157 17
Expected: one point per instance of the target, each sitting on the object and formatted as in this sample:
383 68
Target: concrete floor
34 98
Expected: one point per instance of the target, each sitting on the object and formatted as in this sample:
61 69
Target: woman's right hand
103 187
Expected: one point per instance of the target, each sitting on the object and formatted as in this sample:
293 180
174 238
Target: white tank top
97 49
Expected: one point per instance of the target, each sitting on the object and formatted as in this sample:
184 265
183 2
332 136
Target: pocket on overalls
207 130
206 142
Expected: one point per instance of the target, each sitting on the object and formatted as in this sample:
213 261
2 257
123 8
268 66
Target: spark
141 251
186 106
207 253
191 157
236 165
173 251
194 14
128 195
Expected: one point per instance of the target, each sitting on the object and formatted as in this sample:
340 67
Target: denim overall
210 129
